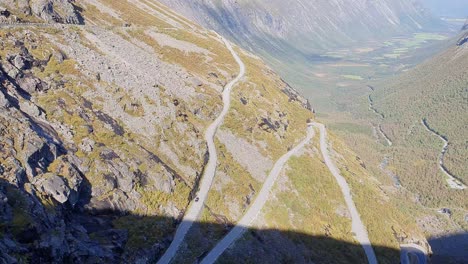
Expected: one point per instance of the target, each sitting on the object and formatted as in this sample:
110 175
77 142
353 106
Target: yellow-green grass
381 212
263 90
353 77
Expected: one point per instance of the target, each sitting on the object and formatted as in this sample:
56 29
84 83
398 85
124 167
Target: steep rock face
52 11
305 25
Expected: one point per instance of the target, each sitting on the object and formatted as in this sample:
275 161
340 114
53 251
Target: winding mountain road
196 207
411 252
257 205
357 226
382 117
452 181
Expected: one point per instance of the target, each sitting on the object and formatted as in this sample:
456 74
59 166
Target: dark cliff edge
464 36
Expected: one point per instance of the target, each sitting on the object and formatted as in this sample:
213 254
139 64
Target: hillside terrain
105 107
432 99
295 36
410 129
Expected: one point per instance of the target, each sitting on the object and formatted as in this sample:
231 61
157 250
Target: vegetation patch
353 77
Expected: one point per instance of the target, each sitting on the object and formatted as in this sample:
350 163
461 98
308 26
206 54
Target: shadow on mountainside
450 249
61 234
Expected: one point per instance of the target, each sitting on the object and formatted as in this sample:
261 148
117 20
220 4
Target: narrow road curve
381 116
452 181
411 252
387 139
373 109
257 205
207 179
357 226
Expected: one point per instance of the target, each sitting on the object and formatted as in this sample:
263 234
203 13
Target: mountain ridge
305 26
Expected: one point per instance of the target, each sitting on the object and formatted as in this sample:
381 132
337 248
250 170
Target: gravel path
257 205
358 227
196 207
452 181
409 252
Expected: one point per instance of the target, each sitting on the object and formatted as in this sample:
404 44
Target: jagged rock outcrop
51 11
41 178
295 96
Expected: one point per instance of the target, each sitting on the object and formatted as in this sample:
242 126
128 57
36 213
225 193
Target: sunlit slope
435 91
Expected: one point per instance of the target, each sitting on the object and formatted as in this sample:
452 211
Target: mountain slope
436 93
102 145
425 116
305 26
294 37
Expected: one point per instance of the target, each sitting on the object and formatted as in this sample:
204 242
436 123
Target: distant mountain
303 26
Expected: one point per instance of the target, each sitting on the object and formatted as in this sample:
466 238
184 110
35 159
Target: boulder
10 70
87 145
123 175
59 56
56 11
55 242
19 62
74 183
70 181
38 154
55 186
30 84
30 108
84 250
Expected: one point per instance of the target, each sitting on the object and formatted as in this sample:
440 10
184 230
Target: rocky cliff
51 11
